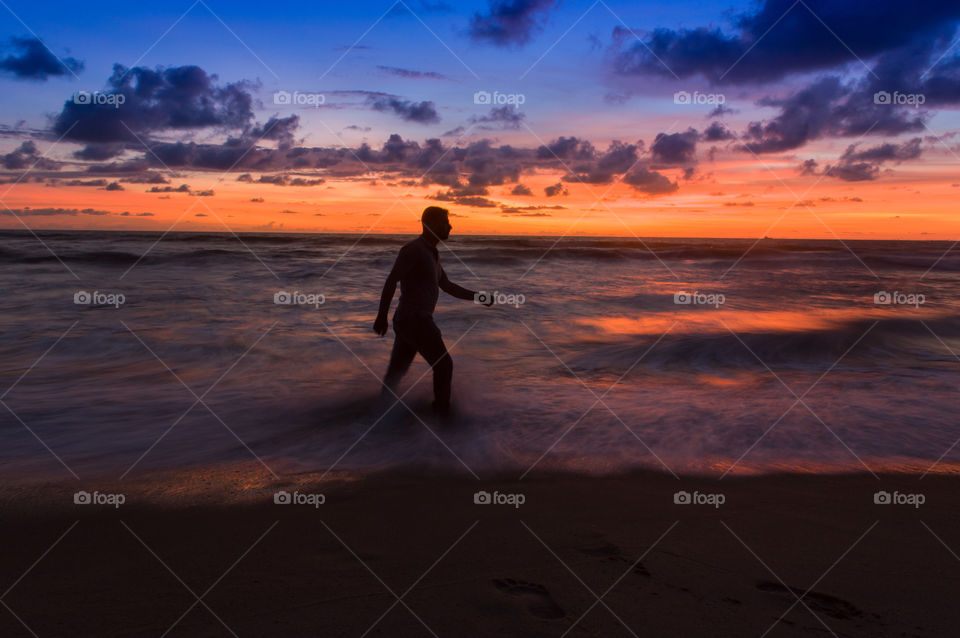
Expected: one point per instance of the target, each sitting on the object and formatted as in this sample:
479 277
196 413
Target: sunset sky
784 118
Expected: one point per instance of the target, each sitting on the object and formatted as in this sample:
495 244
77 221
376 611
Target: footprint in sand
613 553
825 603
539 601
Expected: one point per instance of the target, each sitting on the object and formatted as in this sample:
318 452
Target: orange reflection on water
708 321
688 319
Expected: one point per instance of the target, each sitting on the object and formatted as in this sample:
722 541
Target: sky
779 118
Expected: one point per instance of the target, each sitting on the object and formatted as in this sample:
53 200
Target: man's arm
389 287
453 289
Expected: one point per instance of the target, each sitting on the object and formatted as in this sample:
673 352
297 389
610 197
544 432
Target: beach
769 453
460 568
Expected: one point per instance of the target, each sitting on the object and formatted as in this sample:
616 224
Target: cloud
781 37
25 156
180 98
67 212
182 188
521 189
650 182
408 73
147 178
529 211
34 61
423 112
857 166
827 107
673 149
99 152
601 169
499 118
465 170
717 132
567 148
279 129
555 189
509 22
464 200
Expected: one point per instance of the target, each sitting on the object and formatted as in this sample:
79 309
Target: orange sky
726 199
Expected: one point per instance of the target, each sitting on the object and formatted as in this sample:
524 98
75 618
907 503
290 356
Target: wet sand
467 569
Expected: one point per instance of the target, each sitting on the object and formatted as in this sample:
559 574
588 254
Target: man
421 278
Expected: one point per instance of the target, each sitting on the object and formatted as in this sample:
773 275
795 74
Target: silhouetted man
421 278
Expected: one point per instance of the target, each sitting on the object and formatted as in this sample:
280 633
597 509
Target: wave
126 247
888 342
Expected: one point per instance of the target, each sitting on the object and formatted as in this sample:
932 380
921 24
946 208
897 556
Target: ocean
125 353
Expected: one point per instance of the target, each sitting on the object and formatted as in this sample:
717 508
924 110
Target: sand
466 569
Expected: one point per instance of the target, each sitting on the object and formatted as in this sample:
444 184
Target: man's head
436 222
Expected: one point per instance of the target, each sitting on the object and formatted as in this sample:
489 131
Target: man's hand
380 325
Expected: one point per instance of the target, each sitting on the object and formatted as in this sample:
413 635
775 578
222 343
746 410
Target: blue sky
592 96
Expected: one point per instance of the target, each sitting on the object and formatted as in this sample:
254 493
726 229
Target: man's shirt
419 272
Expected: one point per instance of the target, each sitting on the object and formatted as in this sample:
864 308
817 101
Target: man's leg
431 347
400 359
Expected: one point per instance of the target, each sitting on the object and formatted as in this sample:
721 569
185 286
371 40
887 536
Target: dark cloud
781 37
717 132
827 108
279 129
464 200
567 148
521 189
114 186
650 182
673 149
147 178
857 166
601 170
468 170
420 112
26 156
509 22
555 189
99 152
182 188
155 100
69 212
408 73
530 211
499 118
721 110
32 60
